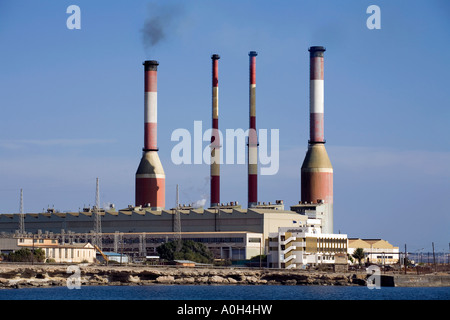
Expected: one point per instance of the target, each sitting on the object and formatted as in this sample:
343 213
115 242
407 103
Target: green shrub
26 255
188 250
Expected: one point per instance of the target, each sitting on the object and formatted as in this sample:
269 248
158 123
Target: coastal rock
359 279
17 276
251 279
95 278
133 279
203 280
291 282
232 280
185 280
217 280
165 279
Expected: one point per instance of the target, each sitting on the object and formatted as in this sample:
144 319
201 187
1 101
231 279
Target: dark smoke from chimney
159 24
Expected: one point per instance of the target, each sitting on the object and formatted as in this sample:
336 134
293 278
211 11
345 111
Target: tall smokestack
150 176
252 136
215 141
317 171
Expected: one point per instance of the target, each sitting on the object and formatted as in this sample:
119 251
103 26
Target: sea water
227 292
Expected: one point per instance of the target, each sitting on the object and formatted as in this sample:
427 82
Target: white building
376 251
298 247
61 253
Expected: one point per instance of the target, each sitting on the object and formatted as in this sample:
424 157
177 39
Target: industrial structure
317 172
252 136
150 176
138 231
215 136
303 232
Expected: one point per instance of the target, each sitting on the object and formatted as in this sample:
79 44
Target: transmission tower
21 216
97 219
177 228
142 249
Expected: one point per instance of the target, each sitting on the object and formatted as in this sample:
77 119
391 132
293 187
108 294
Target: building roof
184 261
112 254
369 243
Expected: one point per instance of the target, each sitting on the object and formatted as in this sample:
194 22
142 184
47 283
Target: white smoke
199 203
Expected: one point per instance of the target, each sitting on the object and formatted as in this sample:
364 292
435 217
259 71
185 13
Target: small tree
26 255
39 255
358 254
190 250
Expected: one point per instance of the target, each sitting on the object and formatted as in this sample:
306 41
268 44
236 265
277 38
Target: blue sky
72 104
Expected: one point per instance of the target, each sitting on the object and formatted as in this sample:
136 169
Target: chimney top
316 51
151 65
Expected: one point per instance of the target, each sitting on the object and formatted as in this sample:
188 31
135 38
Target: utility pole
123 243
177 225
21 216
142 249
434 257
405 258
97 219
116 241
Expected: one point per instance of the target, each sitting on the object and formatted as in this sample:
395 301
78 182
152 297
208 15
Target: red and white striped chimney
252 135
215 139
317 171
316 94
150 176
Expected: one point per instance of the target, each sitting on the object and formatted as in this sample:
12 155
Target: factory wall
253 220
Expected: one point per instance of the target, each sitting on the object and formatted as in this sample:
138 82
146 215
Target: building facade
60 253
376 251
299 247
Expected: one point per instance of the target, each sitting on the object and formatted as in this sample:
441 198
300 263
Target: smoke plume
160 23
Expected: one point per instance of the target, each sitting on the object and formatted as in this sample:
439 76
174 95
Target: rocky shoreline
21 276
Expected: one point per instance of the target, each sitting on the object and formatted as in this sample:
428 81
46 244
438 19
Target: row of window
67 253
165 239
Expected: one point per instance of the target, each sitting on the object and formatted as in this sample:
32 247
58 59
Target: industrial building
138 219
213 225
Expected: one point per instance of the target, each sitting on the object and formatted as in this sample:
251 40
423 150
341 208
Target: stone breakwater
19 276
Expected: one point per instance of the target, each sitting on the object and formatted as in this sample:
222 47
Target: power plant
238 233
